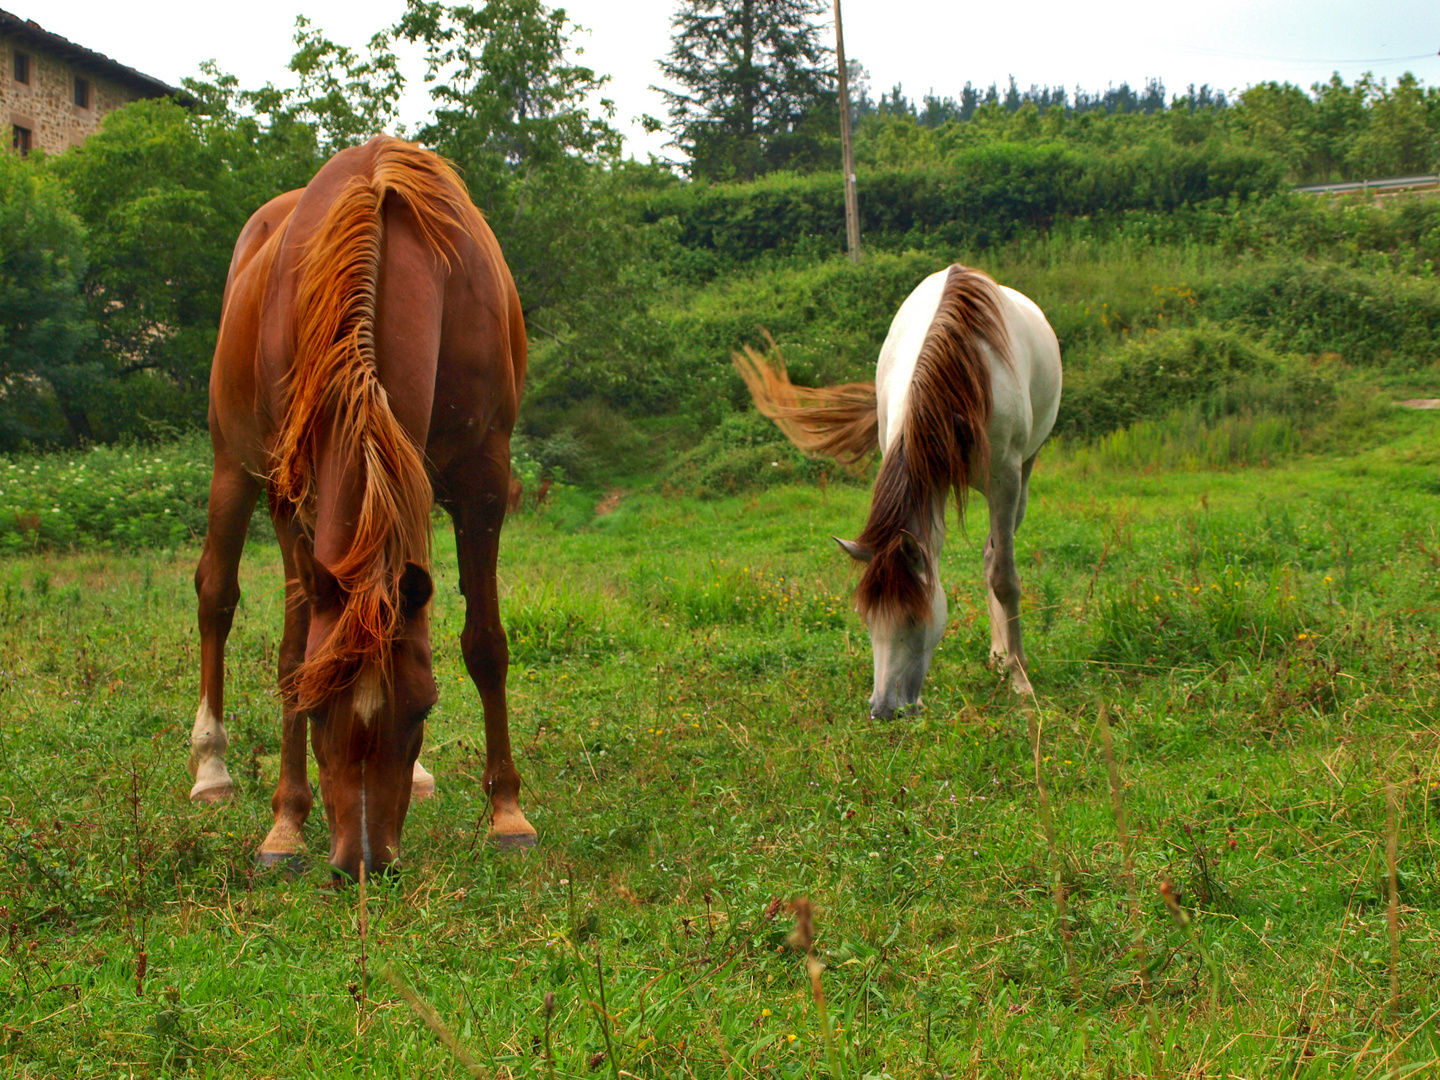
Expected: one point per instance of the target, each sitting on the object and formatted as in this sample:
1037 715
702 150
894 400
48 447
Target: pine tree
756 86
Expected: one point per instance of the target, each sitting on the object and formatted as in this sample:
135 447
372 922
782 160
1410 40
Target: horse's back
237 390
455 307
1025 391
899 353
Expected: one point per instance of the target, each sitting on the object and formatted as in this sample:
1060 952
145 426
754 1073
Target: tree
1399 138
43 323
513 111
756 87
163 191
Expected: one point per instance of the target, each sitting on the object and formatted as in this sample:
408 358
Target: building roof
32 32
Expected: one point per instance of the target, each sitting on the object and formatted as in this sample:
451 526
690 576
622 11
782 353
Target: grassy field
688 687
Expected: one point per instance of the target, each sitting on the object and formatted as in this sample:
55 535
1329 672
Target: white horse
966 391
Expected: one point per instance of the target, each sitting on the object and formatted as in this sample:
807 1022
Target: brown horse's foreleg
292 800
233 492
478 489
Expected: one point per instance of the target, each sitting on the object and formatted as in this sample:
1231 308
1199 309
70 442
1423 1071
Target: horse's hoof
287 862
422 784
212 795
513 841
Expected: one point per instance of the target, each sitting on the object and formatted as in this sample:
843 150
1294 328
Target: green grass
688 693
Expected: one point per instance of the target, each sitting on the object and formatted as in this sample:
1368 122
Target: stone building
53 92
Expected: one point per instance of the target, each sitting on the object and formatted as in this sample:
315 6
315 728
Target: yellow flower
1302 637
764 1012
790 1037
1328 579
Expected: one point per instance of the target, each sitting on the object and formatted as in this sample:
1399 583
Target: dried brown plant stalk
804 938
1047 822
363 927
1122 826
1393 842
421 1008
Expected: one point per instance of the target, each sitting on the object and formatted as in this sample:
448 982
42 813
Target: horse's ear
913 552
319 585
416 588
858 552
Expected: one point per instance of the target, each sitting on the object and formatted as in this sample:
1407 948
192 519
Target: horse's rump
945 436
335 390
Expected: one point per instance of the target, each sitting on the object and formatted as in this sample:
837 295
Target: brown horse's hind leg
476 491
233 492
292 800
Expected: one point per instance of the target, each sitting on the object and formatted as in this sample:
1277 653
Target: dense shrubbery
121 496
744 452
1217 373
976 197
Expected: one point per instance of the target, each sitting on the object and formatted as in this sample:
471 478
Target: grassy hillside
688 689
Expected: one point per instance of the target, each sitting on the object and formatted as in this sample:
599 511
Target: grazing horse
966 390
370 360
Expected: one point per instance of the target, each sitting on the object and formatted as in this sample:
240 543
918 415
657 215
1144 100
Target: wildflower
1302 637
764 1012
790 1037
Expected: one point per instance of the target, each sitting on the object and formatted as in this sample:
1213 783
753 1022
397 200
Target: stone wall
46 106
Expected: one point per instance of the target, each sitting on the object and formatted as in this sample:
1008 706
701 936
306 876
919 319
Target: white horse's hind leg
1007 497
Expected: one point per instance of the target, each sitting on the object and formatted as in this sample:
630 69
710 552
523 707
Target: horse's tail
837 422
335 391
945 437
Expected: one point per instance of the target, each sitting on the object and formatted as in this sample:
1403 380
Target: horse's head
902 636
367 734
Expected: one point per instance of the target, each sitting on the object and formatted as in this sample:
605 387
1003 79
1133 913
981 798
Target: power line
1300 60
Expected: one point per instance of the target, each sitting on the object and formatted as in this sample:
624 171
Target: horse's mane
944 437
335 389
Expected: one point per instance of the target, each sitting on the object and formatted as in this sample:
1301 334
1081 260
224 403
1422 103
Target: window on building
22 67
82 92
20 139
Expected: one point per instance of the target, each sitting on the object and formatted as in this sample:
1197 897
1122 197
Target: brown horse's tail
945 437
335 391
837 422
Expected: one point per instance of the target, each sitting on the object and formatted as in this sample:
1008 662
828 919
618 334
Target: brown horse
371 353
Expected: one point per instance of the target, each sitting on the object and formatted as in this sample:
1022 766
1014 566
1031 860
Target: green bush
745 452
1214 372
979 196
113 497
1368 318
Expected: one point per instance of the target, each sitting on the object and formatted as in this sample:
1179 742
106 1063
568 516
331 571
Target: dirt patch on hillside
608 504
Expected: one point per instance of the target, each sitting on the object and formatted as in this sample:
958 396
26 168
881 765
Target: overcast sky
924 44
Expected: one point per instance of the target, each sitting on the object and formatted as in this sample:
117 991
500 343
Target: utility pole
847 148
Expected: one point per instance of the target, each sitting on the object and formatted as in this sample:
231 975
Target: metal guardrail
1397 183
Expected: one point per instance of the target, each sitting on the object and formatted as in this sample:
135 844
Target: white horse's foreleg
1007 498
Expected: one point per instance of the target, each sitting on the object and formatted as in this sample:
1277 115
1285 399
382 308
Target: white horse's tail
838 422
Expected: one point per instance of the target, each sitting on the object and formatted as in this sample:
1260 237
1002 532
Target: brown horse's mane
945 437
335 389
